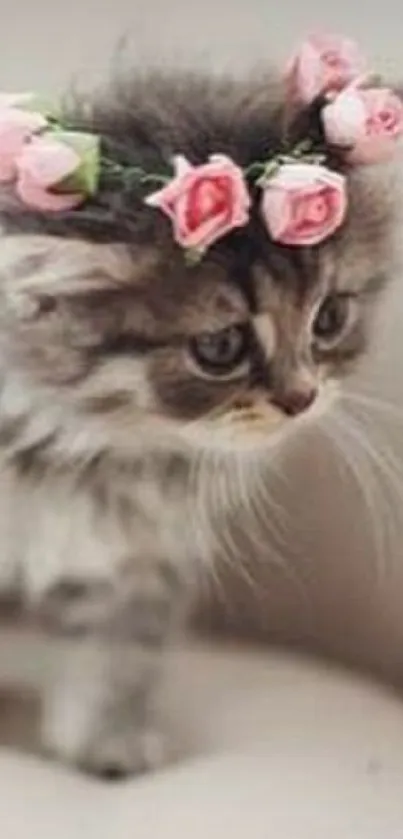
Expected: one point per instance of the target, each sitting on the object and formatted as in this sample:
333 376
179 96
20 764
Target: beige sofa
271 747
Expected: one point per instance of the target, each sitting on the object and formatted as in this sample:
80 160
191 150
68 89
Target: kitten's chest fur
92 523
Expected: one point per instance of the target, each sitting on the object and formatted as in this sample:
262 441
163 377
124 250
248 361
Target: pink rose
323 64
368 122
16 127
304 203
204 202
42 166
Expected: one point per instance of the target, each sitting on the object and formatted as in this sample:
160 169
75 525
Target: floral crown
302 200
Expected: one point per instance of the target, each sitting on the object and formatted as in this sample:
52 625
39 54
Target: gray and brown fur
103 417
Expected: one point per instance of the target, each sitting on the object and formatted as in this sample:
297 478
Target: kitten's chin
240 435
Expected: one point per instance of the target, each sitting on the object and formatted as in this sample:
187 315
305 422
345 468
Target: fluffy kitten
120 365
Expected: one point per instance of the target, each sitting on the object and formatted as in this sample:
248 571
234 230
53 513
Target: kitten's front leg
99 711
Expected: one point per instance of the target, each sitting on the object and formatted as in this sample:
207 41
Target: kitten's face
139 346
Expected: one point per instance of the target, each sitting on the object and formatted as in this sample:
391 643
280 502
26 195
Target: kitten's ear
34 270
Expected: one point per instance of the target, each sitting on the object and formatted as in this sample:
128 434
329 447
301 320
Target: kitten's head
104 322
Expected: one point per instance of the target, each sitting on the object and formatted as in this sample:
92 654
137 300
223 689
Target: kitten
121 365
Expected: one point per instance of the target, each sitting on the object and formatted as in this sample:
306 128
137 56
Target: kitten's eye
333 319
220 353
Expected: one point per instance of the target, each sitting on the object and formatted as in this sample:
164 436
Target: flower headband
303 201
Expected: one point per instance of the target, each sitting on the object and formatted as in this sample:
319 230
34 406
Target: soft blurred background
328 573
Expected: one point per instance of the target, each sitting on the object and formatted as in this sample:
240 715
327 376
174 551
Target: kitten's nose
295 401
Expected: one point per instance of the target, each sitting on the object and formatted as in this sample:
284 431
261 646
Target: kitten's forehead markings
326 273
266 332
263 286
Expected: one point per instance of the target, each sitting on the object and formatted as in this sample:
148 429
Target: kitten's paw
114 756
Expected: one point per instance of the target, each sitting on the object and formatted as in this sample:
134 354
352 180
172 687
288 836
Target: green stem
162 180
255 170
133 173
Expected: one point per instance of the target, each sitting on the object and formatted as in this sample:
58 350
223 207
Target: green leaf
110 167
270 169
36 104
255 170
87 146
304 147
156 180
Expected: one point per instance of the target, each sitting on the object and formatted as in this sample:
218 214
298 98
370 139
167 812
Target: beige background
333 592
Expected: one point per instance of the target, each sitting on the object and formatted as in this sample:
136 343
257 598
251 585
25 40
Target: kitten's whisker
372 491
260 485
198 498
388 468
262 510
267 516
374 404
216 498
257 521
200 516
262 534
358 468
224 493
224 500
383 461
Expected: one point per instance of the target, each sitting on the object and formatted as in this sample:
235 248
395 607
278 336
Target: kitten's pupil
220 352
331 317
